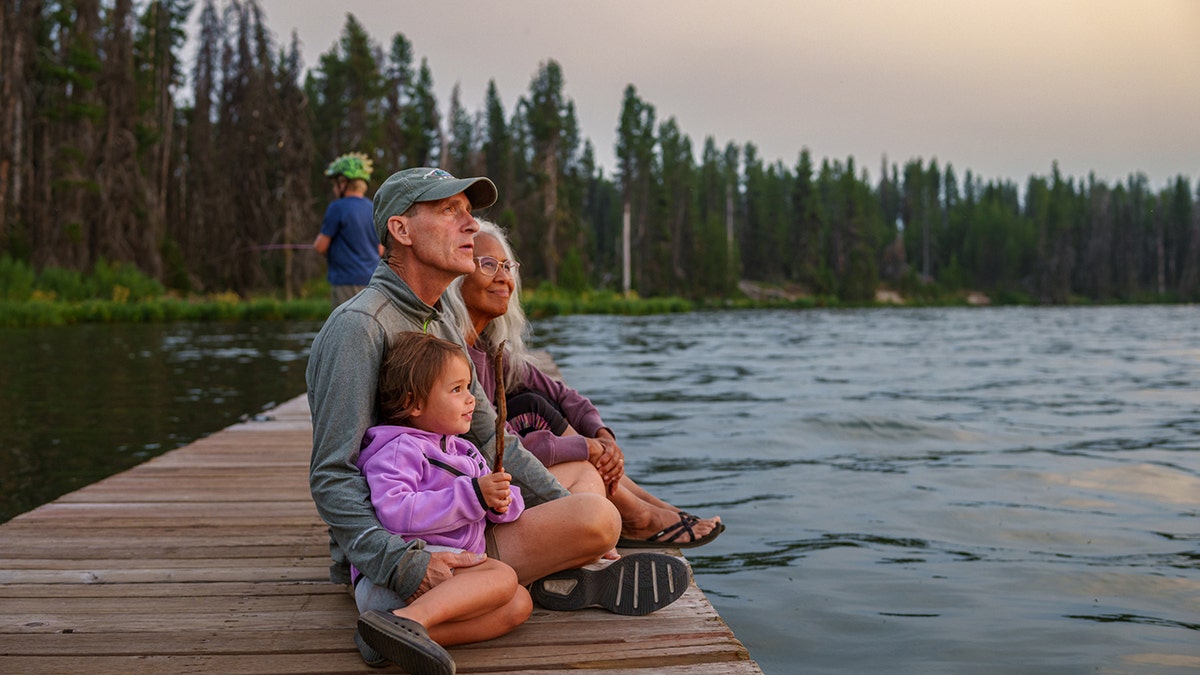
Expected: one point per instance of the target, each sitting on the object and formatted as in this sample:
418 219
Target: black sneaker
633 585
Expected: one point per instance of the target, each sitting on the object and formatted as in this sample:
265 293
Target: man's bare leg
550 545
557 535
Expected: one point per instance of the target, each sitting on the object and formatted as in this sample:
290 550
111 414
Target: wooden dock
211 558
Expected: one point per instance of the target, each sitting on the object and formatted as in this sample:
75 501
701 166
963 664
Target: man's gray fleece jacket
342 374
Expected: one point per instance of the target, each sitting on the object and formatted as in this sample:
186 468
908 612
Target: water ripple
1134 618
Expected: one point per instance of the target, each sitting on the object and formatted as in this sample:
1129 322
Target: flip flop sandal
666 537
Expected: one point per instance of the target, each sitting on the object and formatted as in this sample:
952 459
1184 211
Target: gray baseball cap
425 184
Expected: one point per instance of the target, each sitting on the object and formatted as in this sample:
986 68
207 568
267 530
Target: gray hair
511 328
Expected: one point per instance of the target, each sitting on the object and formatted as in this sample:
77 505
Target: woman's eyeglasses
490 266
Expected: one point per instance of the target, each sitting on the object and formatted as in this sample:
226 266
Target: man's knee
600 517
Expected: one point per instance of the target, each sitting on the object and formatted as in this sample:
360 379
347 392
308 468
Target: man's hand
441 567
494 488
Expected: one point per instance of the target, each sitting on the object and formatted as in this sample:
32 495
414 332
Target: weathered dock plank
211 558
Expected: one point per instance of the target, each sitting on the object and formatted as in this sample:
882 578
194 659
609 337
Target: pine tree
803 255
547 112
160 36
679 197
346 92
497 146
392 152
67 122
636 172
421 122
295 160
461 154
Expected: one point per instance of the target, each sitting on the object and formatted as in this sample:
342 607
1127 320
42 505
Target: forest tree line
208 176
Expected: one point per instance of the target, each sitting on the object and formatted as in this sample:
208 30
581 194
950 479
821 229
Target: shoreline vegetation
122 294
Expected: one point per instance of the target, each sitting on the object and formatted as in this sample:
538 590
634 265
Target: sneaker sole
635 585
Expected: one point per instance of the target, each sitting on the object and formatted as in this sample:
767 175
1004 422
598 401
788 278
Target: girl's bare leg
477 603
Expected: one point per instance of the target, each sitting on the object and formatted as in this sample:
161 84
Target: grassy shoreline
122 294
538 304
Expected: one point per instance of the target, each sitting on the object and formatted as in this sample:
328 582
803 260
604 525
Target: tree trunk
625 262
550 214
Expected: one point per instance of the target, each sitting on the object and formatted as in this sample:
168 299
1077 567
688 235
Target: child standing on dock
427 483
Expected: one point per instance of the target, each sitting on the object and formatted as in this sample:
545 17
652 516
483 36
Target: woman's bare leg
578 477
643 515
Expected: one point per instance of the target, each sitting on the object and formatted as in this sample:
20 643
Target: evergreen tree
422 123
803 258
636 172
497 146
392 153
914 214
1181 238
346 92
461 155
67 120
546 114
161 34
295 161
679 197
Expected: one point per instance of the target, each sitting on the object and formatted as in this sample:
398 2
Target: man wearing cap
347 239
423 219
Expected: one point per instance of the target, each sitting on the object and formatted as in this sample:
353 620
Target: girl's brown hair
409 369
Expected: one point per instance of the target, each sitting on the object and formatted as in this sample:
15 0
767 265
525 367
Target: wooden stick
501 408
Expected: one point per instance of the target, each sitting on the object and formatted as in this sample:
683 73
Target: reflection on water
79 403
1007 490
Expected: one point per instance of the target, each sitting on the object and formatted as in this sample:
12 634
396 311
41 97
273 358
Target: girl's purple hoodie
423 486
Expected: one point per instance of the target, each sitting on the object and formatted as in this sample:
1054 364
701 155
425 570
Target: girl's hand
494 488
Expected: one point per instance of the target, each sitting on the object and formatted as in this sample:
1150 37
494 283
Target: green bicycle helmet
351 165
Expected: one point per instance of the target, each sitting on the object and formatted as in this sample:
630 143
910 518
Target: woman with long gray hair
556 423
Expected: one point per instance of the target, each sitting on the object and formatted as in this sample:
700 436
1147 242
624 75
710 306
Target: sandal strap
675 531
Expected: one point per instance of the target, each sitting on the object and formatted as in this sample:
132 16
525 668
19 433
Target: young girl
427 483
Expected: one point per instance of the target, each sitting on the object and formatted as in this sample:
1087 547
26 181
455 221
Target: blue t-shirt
353 247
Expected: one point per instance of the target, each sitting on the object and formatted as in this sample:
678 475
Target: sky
1003 89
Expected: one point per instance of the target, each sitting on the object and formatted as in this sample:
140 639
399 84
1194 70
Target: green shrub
65 285
571 274
108 280
16 279
22 313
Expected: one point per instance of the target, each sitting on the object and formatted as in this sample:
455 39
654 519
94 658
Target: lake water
983 490
1007 490
79 403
